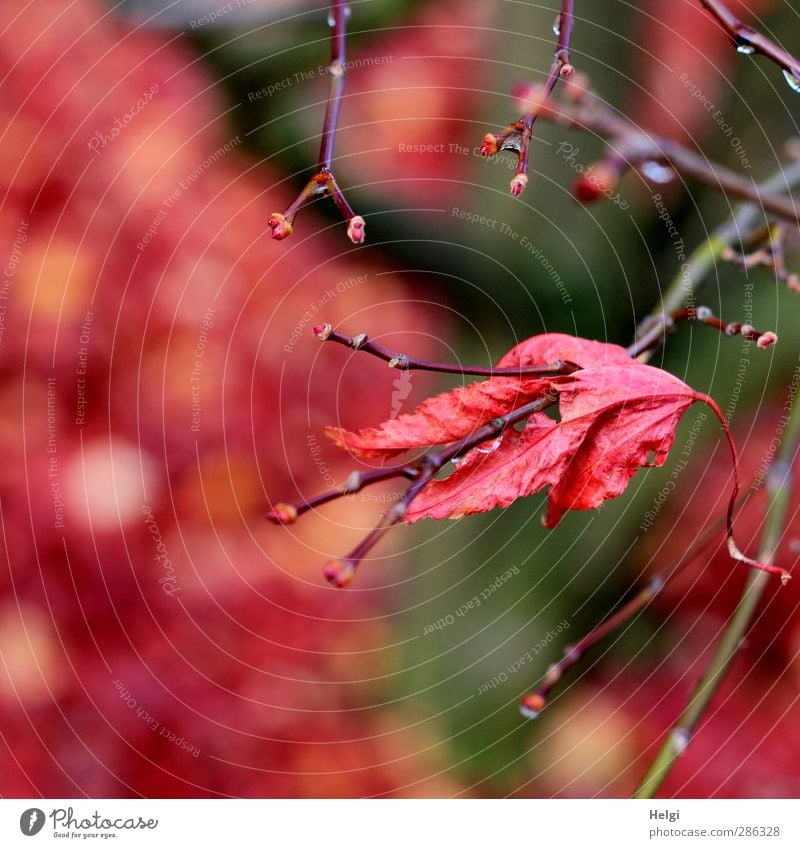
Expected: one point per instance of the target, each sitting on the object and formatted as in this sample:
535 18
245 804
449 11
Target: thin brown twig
635 147
653 331
517 135
323 182
420 471
403 362
748 40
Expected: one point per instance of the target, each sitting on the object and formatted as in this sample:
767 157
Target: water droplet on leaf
492 447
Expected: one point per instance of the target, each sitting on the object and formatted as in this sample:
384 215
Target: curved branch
748 40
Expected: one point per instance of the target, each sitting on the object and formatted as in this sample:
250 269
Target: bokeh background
161 387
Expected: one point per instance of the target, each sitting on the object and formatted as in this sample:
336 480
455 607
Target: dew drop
745 49
557 25
657 172
792 80
331 21
680 739
457 460
492 447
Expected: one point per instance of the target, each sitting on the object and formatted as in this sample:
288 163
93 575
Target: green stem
778 488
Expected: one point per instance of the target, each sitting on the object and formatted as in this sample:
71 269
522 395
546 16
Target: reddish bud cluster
280 225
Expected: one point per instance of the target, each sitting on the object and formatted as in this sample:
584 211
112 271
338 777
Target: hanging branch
517 136
323 183
748 40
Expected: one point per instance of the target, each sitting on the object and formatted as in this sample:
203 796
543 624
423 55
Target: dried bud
766 339
595 184
355 229
280 225
339 573
518 184
793 282
489 145
283 513
566 70
531 705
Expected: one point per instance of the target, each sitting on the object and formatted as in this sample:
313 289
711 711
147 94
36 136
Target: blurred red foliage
159 378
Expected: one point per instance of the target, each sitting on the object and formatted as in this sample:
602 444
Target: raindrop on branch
557 25
745 48
492 447
657 172
792 80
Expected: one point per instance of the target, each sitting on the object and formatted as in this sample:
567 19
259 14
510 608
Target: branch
517 136
770 255
632 147
532 704
652 332
420 471
682 289
323 182
779 489
747 40
325 332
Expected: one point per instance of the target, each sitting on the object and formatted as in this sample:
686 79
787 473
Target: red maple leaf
614 420
616 415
